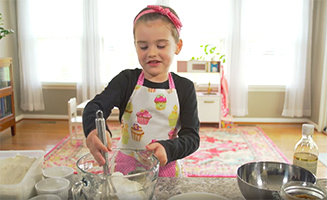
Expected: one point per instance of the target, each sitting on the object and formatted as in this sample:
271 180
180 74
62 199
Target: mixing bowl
133 175
299 190
322 183
263 180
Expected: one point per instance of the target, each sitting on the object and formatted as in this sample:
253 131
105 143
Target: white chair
75 122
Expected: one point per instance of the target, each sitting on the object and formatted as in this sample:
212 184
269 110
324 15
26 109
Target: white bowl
46 197
57 186
59 172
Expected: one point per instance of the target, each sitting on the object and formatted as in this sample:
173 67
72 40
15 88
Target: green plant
3 31
211 51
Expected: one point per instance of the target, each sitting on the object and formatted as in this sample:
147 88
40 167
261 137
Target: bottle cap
308 129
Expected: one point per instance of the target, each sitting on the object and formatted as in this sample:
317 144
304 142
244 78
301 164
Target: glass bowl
133 175
298 190
322 183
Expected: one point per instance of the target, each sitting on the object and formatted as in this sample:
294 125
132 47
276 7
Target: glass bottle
306 150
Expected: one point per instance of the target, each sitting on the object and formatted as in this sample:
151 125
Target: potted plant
212 54
3 31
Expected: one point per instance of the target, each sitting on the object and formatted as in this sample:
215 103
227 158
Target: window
268 41
203 23
57 26
116 29
118 42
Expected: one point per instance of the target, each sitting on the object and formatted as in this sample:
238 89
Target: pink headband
163 11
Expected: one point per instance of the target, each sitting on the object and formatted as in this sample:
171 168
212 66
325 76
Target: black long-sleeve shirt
117 94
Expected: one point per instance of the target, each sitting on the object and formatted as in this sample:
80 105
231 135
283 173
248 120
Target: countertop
167 187
225 187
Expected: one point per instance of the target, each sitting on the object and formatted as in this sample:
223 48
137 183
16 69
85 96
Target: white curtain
297 101
251 41
322 123
30 86
238 87
91 47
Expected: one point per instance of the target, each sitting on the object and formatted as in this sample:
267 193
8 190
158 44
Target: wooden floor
45 134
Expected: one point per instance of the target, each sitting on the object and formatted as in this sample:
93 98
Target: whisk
101 128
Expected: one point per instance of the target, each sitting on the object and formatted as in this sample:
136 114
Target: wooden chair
75 122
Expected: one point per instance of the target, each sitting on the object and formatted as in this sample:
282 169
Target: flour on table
14 169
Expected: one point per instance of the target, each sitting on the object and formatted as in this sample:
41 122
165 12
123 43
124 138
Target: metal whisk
101 128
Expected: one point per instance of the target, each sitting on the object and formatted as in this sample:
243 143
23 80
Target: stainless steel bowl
263 180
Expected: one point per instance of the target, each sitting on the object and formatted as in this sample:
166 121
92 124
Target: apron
152 114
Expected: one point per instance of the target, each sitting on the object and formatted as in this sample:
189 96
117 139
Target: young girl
158 108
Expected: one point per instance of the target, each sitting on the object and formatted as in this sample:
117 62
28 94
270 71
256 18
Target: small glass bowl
322 183
298 190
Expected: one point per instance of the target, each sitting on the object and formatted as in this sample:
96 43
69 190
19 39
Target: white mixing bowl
57 186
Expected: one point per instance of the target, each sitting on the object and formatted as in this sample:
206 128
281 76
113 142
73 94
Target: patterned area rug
221 151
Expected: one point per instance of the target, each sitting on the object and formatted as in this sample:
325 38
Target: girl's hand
96 147
159 152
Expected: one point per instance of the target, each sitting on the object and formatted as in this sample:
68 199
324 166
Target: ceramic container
57 186
59 172
46 197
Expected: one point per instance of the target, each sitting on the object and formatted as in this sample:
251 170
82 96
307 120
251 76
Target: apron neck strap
140 80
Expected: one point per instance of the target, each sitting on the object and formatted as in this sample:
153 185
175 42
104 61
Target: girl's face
155 48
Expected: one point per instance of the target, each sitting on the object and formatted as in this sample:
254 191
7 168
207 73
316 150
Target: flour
127 189
14 169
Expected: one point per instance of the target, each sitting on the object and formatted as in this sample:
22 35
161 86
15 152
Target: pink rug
221 151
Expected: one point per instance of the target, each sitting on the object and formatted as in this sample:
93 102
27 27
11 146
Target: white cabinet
209 107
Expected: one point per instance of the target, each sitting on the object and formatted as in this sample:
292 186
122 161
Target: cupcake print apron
152 114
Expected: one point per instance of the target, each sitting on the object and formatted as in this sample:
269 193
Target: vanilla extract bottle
306 150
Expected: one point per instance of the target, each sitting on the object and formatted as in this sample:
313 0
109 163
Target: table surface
168 187
224 187
82 105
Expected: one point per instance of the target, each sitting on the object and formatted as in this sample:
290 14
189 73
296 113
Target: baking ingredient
14 169
127 189
306 160
304 196
306 151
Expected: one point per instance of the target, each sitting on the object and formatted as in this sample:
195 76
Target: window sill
266 88
59 86
251 88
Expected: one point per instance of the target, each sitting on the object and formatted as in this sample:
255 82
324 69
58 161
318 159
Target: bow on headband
163 11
